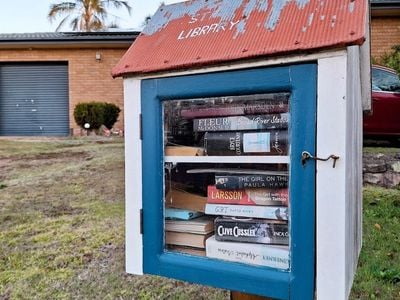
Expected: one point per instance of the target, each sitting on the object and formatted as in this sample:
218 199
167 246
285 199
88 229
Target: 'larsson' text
236 231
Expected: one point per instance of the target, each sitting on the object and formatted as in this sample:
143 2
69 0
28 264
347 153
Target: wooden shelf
228 159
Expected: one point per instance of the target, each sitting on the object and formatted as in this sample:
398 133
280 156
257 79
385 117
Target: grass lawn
62 228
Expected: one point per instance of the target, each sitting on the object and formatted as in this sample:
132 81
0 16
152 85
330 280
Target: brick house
385 26
44 75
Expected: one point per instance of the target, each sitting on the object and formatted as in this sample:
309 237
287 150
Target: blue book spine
181 214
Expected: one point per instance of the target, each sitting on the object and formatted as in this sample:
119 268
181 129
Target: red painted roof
206 32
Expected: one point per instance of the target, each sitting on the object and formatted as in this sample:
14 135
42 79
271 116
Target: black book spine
235 182
233 123
251 231
246 143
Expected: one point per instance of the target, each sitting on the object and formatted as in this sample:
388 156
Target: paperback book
246 143
237 105
186 239
200 225
181 214
234 123
177 198
248 196
243 181
248 211
274 256
251 230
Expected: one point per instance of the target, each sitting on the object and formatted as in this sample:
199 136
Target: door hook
305 155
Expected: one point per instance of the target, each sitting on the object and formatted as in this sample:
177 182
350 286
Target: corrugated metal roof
204 32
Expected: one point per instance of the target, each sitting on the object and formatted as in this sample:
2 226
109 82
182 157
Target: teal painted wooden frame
300 80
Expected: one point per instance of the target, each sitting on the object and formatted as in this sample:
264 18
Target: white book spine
250 211
255 254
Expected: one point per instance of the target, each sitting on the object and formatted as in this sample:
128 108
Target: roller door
34 99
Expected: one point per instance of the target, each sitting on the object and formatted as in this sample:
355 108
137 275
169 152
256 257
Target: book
248 211
234 123
274 256
183 151
181 214
251 230
225 171
200 225
187 250
177 198
242 181
186 239
238 105
246 143
257 196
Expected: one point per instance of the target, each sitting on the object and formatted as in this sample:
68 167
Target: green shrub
96 114
111 112
392 59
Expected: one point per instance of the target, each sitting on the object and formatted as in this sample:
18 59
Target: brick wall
89 80
385 32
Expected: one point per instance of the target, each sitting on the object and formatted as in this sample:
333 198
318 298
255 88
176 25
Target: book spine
247 196
256 254
231 182
248 211
246 143
271 121
180 214
258 107
251 231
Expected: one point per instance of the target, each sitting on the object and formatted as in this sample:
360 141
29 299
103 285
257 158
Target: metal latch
305 155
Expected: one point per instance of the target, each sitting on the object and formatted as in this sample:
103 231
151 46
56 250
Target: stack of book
186 231
252 222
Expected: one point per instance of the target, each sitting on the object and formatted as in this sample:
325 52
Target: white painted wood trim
331 182
273 61
133 178
228 159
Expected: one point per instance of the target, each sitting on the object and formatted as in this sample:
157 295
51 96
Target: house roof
198 32
385 8
67 39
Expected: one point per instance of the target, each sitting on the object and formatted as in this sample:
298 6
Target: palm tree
85 15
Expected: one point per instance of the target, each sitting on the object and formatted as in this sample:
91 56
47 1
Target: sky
27 16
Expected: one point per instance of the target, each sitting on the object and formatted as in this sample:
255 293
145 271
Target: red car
385 118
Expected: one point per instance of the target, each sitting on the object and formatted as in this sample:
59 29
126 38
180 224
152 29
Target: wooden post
242 296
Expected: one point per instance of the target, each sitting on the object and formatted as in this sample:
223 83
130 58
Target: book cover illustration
246 143
181 214
251 230
252 196
248 211
274 256
244 181
234 123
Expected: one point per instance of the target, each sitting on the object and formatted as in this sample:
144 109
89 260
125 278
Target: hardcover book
186 239
181 214
246 143
200 225
242 181
177 198
257 196
238 105
248 211
273 256
251 230
254 122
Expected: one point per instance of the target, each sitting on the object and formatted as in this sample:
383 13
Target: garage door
34 100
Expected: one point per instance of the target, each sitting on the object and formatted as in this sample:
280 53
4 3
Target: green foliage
392 59
96 114
111 112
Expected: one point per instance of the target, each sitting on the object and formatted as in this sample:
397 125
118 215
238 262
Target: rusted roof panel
206 32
